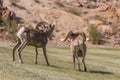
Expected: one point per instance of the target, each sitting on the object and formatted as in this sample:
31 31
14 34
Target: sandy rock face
102 13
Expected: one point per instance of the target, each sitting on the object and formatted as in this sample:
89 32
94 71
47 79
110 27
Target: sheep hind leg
74 60
77 57
83 60
78 63
14 49
85 69
22 46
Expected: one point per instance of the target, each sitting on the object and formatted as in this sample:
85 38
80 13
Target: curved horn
34 25
66 37
82 34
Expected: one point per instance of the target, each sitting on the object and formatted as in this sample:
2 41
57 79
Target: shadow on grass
100 72
55 66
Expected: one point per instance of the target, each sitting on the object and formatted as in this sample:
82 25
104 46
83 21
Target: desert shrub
14 1
95 35
92 5
70 9
37 1
19 6
73 10
98 17
59 3
115 25
101 18
10 27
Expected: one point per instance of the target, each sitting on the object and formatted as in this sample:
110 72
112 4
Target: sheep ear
52 26
64 38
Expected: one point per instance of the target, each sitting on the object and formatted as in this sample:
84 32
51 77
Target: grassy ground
102 64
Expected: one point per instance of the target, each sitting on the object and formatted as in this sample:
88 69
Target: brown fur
78 47
34 38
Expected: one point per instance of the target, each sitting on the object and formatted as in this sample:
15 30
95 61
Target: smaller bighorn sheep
78 46
32 37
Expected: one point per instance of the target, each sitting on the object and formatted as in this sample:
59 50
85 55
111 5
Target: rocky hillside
72 15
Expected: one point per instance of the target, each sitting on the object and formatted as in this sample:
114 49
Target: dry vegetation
71 15
95 35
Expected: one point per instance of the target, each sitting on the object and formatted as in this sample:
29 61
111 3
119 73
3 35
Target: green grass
102 64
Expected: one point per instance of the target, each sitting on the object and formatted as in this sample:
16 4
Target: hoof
35 62
77 69
48 64
13 59
85 70
20 61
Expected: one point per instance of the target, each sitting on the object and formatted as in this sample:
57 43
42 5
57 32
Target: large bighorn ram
78 46
32 37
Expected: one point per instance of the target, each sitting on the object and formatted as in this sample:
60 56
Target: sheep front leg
36 55
44 52
74 60
78 63
85 69
77 57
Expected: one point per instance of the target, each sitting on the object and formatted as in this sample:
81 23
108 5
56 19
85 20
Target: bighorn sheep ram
78 46
32 37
